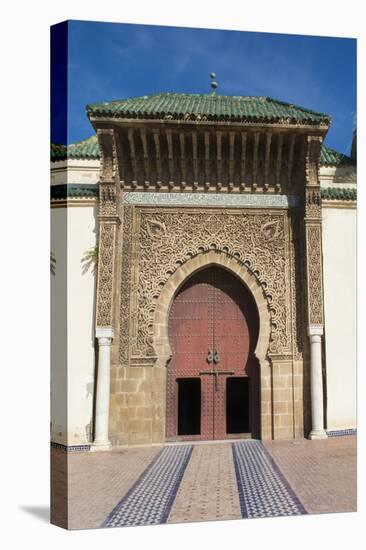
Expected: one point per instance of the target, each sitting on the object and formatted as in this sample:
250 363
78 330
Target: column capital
315 330
103 341
104 332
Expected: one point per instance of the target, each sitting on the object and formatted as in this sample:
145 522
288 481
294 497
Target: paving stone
149 500
208 490
98 481
321 472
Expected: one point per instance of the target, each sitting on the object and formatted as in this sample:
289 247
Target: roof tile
333 193
331 157
210 106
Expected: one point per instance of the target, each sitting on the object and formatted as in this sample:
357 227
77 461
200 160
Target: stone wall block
280 407
265 407
136 373
143 438
115 386
146 386
144 412
158 436
135 399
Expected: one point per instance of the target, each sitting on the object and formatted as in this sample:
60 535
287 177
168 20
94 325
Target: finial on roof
214 83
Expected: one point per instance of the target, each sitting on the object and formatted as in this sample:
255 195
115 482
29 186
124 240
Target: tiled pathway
180 483
208 490
263 490
150 499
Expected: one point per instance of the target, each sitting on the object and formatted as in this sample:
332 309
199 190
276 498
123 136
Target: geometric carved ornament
168 238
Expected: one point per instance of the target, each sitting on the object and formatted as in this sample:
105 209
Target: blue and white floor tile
149 500
263 490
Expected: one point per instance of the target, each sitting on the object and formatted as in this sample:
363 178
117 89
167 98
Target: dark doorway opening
189 406
237 405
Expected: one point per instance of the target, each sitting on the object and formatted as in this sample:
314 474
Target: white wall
59 327
338 176
75 171
73 297
339 264
82 226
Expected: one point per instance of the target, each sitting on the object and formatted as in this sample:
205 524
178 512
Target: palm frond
90 259
53 263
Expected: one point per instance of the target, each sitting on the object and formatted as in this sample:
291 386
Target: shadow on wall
345 174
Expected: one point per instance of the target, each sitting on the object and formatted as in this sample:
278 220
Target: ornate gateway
231 185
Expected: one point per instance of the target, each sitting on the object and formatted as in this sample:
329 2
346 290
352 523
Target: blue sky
109 61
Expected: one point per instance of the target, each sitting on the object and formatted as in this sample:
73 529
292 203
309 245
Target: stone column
316 380
101 441
314 283
109 223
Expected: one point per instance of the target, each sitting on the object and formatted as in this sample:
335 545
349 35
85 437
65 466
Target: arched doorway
213 375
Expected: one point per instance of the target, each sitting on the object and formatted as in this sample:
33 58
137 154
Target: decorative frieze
210 199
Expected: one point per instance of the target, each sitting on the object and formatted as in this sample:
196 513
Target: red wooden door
212 329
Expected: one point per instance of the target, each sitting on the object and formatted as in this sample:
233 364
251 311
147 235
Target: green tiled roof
207 107
86 149
58 152
330 157
333 193
63 191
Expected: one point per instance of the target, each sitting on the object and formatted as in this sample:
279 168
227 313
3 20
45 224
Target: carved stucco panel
105 274
107 199
297 298
165 239
125 304
312 203
314 269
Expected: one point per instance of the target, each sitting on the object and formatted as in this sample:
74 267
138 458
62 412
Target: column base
318 434
102 446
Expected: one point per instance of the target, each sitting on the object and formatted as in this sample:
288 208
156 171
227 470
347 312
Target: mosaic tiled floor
261 489
211 481
150 499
